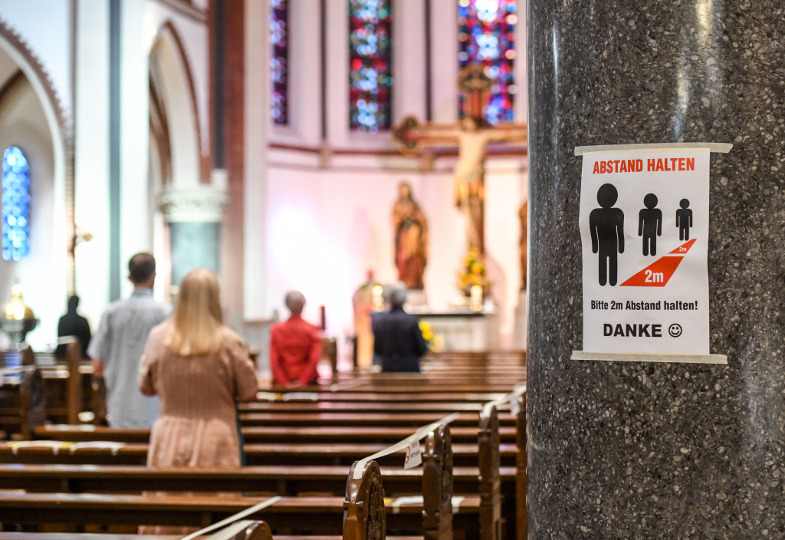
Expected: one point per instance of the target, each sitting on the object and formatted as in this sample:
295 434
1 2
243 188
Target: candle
323 324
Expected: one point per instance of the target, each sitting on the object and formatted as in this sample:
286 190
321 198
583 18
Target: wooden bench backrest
490 483
22 379
363 516
520 474
437 484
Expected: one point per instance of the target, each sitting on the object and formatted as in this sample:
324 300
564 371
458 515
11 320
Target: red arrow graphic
658 273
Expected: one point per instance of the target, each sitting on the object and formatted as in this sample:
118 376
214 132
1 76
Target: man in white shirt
117 347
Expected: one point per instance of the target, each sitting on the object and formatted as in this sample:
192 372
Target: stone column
194 215
634 450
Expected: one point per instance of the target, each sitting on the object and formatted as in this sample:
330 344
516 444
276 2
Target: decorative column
659 450
194 216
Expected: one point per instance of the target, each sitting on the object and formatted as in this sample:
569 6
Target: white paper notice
644 220
413 455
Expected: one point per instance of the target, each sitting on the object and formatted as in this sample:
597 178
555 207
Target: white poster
644 222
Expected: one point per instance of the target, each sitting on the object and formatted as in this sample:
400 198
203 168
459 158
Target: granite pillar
194 217
659 450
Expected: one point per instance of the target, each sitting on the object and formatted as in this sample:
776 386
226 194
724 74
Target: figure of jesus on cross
472 134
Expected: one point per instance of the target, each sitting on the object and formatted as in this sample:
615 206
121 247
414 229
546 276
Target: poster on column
644 223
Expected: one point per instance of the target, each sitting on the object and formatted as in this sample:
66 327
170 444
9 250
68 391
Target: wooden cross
472 135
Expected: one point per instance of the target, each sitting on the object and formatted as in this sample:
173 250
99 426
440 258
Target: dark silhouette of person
650 224
607 232
684 219
73 325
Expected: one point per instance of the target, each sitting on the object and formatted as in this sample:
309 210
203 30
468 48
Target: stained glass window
486 34
370 69
279 38
16 205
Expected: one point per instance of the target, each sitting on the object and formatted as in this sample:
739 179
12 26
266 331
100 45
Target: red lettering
659 165
596 167
690 163
650 164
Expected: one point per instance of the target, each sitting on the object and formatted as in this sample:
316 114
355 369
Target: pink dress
197 423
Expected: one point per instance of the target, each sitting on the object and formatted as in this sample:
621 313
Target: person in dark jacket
398 343
73 325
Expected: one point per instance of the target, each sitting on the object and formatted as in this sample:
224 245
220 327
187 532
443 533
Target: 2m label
654 277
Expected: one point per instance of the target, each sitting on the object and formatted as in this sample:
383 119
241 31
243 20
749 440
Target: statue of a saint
411 238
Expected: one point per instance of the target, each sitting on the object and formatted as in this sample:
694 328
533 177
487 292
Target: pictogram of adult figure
650 224
607 232
684 219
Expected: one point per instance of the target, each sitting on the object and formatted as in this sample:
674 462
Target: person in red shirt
295 346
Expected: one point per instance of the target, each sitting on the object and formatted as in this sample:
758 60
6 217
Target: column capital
200 203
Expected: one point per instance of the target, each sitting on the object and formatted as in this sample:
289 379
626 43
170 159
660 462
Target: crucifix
472 134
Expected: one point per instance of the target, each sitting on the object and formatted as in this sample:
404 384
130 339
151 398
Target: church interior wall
23 123
303 193
324 228
444 74
192 35
91 157
334 195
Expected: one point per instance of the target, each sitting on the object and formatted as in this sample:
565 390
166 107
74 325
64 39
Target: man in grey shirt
117 347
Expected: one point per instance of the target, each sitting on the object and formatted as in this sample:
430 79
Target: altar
460 328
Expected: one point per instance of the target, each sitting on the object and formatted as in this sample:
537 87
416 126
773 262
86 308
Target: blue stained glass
370 70
486 34
16 204
279 38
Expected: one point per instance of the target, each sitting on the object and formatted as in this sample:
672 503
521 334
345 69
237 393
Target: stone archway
32 117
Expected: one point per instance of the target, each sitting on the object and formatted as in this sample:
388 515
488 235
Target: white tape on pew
112 446
416 436
238 516
54 446
407 500
512 397
231 532
300 396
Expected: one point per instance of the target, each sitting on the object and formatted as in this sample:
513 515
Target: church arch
32 117
175 128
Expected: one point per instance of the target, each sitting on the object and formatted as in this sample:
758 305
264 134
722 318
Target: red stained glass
370 76
489 30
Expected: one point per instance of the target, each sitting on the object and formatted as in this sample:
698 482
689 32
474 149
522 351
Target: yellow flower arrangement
473 273
433 340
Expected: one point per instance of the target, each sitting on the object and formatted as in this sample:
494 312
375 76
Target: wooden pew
75 479
22 401
241 530
387 393
262 434
258 479
66 384
355 419
284 512
293 454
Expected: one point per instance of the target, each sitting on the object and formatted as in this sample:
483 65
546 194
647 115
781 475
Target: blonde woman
199 368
